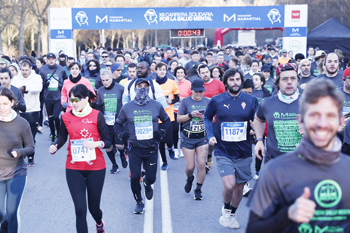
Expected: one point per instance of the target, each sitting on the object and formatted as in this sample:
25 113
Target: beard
332 72
233 91
305 72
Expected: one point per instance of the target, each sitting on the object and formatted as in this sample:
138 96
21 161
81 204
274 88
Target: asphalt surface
47 205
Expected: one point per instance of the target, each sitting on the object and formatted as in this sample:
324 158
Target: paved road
48 207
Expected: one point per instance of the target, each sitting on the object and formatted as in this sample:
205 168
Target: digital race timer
186 33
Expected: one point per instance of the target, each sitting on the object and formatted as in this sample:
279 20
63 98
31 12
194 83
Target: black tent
329 36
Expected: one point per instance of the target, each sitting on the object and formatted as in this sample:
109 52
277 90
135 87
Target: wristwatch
190 116
260 139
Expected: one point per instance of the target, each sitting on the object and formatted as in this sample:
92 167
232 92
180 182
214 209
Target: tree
7 13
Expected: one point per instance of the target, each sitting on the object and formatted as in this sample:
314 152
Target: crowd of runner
233 104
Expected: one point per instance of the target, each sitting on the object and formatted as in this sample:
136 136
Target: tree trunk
44 39
112 39
38 49
0 43
21 28
32 39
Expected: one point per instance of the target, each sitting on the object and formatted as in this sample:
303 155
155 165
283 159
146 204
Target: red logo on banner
296 14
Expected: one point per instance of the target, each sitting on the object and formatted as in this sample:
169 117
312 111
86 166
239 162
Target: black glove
124 136
158 135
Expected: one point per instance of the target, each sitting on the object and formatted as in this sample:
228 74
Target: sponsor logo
61 46
60 32
227 106
152 164
305 228
81 18
295 30
328 193
135 112
100 20
86 121
151 16
276 115
227 18
274 16
296 14
295 45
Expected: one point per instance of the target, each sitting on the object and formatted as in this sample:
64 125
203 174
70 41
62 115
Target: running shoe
256 176
210 161
139 207
171 153
207 169
31 162
4 227
40 129
188 185
124 162
115 169
101 229
198 195
164 167
148 190
46 123
181 154
233 222
176 156
225 218
247 190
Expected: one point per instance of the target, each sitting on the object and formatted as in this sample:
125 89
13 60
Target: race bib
110 118
177 105
144 131
346 110
234 131
81 154
53 86
197 126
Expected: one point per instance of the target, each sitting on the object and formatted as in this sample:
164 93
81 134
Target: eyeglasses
104 56
75 100
119 69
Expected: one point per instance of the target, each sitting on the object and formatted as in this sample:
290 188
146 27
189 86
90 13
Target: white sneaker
246 190
233 223
256 176
225 218
176 154
181 154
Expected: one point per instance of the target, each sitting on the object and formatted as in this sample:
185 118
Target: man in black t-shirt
305 190
305 73
333 73
280 112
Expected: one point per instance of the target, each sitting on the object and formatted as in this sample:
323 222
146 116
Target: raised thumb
306 193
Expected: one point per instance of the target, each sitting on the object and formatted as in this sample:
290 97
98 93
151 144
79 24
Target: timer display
186 33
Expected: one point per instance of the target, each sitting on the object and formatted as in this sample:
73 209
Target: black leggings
53 109
168 139
149 158
41 113
175 131
32 118
80 181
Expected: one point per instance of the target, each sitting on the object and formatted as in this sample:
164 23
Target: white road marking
148 220
166 212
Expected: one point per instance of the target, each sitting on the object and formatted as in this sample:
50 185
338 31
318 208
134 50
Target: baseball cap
62 55
50 55
320 53
141 80
187 52
115 66
198 85
265 68
299 56
346 72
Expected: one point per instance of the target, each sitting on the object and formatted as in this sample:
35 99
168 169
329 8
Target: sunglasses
104 56
119 69
108 65
75 100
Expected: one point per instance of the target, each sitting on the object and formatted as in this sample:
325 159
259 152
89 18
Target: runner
184 91
30 85
280 112
16 143
143 134
75 78
109 102
85 164
305 190
5 81
53 76
332 70
305 73
234 110
93 73
171 93
193 136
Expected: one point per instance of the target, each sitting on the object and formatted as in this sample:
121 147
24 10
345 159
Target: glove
65 105
158 135
124 136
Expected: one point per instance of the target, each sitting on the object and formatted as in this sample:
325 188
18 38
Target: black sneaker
4 227
46 123
124 162
188 185
148 190
114 169
31 162
198 194
139 207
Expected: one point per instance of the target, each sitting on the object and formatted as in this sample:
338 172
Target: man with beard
319 57
144 134
332 70
306 190
305 73
280 112
155 91
234 110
